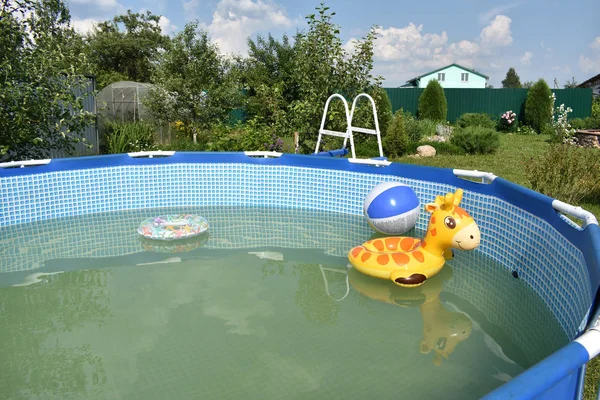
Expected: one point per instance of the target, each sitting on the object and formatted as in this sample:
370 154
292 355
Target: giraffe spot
418 256
423 244
383 259
432 220
400 259
407 243
356 251
414 279
392 243
434 232
378 244
365 256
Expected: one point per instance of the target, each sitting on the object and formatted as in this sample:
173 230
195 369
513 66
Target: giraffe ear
458 196
431 207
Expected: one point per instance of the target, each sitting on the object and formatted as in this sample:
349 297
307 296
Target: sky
548 39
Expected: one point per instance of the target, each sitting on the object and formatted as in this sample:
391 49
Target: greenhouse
122 101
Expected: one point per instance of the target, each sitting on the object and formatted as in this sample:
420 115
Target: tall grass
127 137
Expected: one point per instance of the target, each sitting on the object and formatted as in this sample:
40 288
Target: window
441 76
464 77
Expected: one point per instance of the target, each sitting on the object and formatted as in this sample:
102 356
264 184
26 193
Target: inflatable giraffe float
410 262
443 329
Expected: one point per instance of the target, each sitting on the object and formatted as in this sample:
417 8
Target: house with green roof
450 76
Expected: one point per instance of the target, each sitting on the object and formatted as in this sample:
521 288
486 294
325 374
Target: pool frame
560 375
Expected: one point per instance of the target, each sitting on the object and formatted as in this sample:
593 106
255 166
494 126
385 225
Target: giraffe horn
449 199
458 196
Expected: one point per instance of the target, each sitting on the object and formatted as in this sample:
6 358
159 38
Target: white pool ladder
350 129
326 282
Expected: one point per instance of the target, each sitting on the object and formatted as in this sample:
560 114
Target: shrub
128 137
432 103
567 173
562 128
250 136
508 121
538 106
184 144
475 119
476 140
525 130
586 123
384 108
418 129
440 148
395 141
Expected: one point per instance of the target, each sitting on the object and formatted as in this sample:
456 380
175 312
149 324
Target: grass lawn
509 162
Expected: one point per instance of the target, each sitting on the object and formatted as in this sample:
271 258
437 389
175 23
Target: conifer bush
432 103
395 141
475 119
538 106
476 140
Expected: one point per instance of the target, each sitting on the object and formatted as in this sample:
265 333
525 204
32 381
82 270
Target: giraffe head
443 330
450 225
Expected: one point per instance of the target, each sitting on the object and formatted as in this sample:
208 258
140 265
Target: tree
528 84
126 48
266 76
193 82
323 67
41 84
571 84
538 106
512 79
432 102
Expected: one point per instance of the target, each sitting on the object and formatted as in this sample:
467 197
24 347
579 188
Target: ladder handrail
326 282
363 130
346 135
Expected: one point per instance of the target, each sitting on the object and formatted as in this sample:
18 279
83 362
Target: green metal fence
492 101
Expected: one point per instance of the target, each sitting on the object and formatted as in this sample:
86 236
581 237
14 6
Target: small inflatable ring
172 227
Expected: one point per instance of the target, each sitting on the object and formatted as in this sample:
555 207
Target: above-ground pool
265 304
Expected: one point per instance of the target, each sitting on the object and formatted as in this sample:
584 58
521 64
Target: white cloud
84 26
464 48
526 58
235 20
190 9
587 64
402 53
596 43
497 33
102 4
486 16
406 43
166 26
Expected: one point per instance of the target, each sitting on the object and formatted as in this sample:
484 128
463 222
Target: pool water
264 306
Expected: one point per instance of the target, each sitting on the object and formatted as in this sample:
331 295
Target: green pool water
263 307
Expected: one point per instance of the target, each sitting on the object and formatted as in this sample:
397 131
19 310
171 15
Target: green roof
448 66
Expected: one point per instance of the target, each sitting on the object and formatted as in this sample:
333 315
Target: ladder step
364 130
333 133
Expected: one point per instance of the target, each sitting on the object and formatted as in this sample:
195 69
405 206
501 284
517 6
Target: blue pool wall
525 228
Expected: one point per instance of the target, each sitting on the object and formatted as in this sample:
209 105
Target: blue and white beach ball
391 208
